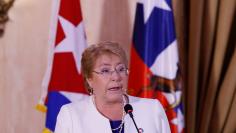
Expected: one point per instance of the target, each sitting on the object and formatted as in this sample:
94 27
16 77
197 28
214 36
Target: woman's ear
89 85
89 81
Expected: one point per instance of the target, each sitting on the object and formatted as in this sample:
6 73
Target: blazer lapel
95 122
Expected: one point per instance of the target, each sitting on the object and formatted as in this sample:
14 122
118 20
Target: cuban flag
63 82
154 63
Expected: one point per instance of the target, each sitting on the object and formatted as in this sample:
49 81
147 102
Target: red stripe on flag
65 76
139 74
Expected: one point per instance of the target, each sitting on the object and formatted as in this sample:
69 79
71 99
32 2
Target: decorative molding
5 5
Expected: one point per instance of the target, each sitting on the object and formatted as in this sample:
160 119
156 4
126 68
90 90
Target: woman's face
109 79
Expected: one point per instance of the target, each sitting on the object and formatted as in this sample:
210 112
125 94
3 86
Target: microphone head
128 108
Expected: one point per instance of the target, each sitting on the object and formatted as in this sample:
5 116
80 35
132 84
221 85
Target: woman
104 68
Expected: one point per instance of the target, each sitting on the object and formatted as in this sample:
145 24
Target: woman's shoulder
147 103
136 100
77 104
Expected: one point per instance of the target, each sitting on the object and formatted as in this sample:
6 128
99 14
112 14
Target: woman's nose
115 76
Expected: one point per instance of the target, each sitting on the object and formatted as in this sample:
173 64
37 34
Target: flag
154 63
63 82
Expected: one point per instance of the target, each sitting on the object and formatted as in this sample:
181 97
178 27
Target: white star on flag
148 6
180 117
173 98
74 40
179 121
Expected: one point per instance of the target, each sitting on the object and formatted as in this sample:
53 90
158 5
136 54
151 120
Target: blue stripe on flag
151 38
55 102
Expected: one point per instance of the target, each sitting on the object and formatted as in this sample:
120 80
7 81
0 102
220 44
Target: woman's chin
118 97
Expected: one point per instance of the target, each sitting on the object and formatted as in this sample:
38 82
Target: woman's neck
111 110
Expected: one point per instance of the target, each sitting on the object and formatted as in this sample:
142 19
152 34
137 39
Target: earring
90 91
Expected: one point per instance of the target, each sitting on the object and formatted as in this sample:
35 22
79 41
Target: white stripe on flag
73 97
165 64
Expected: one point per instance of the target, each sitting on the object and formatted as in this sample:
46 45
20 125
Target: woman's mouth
115 88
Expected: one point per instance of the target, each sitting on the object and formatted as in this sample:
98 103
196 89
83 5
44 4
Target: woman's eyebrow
108 64
104 64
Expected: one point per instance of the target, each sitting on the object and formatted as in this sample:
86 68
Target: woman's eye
121 69
105 71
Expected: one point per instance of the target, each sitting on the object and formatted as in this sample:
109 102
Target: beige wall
109 20
24 52
23 58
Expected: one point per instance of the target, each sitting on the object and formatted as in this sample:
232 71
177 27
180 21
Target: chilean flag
154 63
63 82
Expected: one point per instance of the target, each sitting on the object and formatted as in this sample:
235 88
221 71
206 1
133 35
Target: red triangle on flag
60 35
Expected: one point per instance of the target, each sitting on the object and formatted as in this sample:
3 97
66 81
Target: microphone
129 109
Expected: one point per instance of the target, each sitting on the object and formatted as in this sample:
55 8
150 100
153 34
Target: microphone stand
132 117
129 109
